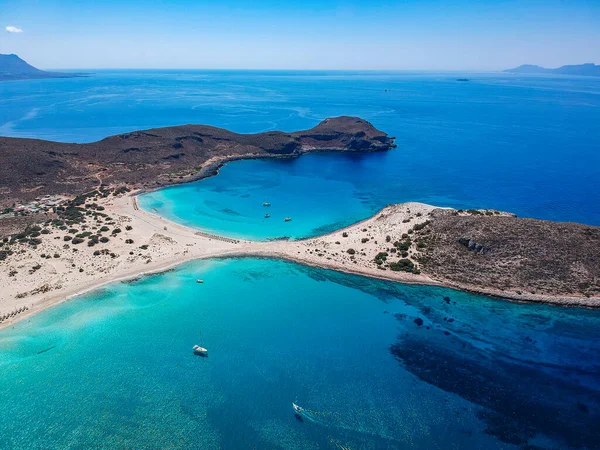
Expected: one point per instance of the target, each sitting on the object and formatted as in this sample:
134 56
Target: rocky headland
31 168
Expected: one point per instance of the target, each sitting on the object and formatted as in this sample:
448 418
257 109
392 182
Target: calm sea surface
115 369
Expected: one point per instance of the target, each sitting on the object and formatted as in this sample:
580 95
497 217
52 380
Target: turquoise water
232 202
115 368
525 144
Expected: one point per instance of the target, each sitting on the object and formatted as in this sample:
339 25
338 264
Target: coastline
561 301
171 244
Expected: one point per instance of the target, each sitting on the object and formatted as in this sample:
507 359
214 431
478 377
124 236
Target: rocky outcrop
471 244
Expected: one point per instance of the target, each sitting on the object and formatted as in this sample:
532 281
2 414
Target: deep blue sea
114 369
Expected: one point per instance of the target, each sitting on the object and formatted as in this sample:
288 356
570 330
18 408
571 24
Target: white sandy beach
72 270
77 270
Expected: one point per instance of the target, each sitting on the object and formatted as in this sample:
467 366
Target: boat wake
334 420
318 417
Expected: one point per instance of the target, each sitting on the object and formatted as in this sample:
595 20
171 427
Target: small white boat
297 409
266 204
199 281
287 219
267 216
200 350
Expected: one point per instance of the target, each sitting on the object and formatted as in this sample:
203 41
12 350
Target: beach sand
76 270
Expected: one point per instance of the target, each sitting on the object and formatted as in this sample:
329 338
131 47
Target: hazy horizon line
223 69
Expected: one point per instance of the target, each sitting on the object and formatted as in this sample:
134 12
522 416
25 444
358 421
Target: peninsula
150 159
71 223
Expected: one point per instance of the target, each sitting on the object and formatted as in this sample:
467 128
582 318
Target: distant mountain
14 68
587 70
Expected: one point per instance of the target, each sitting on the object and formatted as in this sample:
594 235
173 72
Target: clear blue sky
309 34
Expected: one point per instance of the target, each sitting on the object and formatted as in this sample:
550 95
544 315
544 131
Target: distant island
586 70
14 68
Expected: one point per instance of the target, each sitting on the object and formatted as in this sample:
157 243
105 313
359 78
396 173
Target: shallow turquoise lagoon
231 203
115 368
